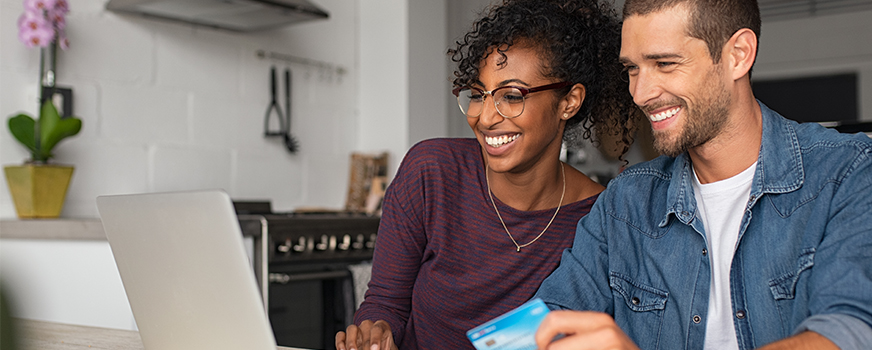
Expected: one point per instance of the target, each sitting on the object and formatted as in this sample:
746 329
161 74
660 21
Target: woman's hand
369 336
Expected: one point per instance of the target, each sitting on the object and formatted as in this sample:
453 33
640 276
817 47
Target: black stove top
309 237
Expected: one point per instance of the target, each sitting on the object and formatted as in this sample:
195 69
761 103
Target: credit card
514 330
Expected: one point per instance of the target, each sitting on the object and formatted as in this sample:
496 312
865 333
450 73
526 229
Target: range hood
234 15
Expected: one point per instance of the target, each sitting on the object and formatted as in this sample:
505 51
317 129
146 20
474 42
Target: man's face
674 80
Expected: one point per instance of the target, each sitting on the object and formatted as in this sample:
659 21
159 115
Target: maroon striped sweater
443 263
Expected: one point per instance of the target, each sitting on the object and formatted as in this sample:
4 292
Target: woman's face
518 144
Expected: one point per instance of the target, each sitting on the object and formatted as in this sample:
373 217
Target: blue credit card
514 330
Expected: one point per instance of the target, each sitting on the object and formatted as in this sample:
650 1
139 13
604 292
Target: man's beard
700 125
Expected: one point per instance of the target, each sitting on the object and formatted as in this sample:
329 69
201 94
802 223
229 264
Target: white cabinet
62 271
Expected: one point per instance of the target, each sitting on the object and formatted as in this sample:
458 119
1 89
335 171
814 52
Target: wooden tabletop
41 335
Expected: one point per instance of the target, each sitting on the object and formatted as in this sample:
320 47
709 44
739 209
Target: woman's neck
535 189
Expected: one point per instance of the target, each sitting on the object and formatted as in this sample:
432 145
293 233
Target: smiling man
751 231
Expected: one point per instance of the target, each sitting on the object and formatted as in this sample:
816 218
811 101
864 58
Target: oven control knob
370 244
282 278
322 245
301 245
358 243
310 243
285 247
331 246
346 242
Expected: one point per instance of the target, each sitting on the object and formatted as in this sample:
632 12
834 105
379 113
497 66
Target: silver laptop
185 270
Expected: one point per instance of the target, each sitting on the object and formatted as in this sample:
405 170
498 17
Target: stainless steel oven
302 262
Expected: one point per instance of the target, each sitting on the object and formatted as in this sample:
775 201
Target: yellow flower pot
38 190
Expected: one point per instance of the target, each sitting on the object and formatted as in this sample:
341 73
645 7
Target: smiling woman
472 226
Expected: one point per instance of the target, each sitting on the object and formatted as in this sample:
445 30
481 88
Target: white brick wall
169 106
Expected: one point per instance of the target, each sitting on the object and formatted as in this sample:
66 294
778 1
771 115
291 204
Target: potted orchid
38 188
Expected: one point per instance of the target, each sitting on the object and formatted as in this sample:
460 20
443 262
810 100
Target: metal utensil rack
263 54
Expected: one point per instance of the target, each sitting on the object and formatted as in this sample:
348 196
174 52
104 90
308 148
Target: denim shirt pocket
643 316
637 296
792 308
784 286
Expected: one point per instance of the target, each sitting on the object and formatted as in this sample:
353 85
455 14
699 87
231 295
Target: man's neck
735 148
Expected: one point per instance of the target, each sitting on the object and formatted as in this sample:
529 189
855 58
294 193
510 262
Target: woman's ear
572 101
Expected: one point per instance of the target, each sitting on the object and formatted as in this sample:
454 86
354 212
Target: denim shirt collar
779 169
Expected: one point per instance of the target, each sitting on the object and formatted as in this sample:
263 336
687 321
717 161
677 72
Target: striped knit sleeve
399 248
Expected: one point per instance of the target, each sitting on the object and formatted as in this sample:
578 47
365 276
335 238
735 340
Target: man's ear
572 101
741 51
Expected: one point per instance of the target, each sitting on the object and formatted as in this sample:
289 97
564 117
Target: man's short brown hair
712 21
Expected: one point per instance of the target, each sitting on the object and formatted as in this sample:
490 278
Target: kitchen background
169 106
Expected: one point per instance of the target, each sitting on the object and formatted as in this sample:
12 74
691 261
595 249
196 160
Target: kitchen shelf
58 229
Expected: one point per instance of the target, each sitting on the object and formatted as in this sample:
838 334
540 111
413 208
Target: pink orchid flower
31 20
43 22
56 17
39 5
36 36
62 6
63 42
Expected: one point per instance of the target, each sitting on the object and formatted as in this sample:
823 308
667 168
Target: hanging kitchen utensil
290 142
274 107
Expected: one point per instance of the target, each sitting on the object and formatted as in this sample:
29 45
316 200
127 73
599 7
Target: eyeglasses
508 100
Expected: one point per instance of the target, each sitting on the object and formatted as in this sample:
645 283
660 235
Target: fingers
582 330
376 335
381 336
351 339
365 335
368 336
340 341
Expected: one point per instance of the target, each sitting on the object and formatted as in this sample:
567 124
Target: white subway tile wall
168 106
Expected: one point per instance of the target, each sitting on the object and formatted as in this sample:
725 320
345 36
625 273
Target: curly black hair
579 41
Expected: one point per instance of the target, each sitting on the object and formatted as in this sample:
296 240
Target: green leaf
22 127
48 120
53 129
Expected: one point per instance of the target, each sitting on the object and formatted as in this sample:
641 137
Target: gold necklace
487 180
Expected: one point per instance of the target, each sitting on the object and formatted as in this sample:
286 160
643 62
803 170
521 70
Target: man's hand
369 336
805 340
582 330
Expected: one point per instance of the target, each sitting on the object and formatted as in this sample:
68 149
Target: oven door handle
285 278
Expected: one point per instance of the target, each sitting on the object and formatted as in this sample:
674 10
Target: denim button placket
740 314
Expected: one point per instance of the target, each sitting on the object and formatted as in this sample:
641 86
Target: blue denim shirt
803 260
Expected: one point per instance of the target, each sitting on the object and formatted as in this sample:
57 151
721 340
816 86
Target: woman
471 227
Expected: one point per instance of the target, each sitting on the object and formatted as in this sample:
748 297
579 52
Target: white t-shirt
721 205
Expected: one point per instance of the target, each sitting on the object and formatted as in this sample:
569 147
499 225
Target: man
751 231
